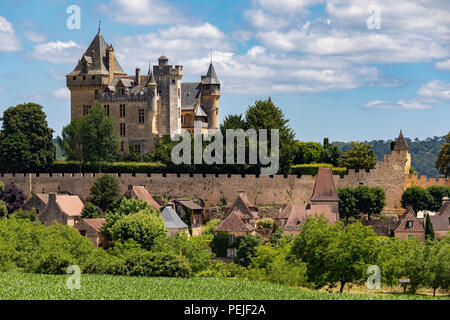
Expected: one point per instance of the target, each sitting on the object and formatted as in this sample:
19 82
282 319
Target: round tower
210 97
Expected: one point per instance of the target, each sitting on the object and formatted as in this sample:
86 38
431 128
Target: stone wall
425 182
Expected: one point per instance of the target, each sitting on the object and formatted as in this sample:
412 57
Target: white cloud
143 12
286 6
34 36
8 38
57 52
400 104
32 96
443 65
435 89
62 93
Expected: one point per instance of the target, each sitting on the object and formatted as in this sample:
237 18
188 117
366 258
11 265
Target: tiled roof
97 53
189 204
96 224
245 207
324 188
409 215
297 215
70 205
141 193
233 223
444 209
440 223
171 219
401 144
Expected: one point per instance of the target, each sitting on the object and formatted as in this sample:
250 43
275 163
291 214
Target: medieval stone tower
143 106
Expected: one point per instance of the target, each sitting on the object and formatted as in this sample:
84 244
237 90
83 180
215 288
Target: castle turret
110 57
152 102
211 96
401 148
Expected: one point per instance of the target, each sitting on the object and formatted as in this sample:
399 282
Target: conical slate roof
401 144
151 80
97 54
324 189
211 76
171 219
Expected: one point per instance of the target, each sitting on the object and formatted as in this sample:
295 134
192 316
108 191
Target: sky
343 69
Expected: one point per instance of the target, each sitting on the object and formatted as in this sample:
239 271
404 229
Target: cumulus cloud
435 89
62 93
8 38
400 104
34 36
57 52
143 12
443 65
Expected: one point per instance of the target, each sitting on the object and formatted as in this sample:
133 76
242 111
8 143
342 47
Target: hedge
312 169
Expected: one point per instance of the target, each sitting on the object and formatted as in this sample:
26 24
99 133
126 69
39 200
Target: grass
14 286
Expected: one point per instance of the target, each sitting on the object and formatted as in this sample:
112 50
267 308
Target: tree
233 121
71 142
24 215
437 266
429 231
361 156
443 160
347 202
210 228
99 138
90 211
330 153
104 192
13 197
265 115
3 209
417 197
246 250
438 192
144 228
370 200
29 121
15 154
308 152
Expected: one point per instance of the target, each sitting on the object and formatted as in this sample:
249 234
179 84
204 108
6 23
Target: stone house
324 201
91 228
441 220
37 201
172 221
143 106
64 209
139 192
409 226
186 208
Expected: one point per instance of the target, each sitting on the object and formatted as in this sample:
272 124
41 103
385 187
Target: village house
37 201
188 208
61 208
172 221
91 228
139 192
409 226
441 220
324 201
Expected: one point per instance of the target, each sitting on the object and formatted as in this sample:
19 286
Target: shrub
266 223
157 264
101 262
312 169
3 209
25 215
54 263
246 249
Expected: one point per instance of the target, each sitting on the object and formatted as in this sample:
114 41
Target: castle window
84 77
137 148
74 78
96 94
86 110
173 81
122 111
141 116
122 130
122 146
93 77
107 110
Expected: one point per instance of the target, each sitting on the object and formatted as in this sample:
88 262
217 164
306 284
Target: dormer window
409 224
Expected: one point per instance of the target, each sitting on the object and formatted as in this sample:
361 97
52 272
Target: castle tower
210 97
94 72
168 80
152 102
401 148
325 191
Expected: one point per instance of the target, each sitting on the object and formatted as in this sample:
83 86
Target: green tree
29 121
144 228
265 115
437 266
99 138
417 197
233 121
24 215
15 154
3 209
429 230
330 153
348 205
370 200
104 192
361 156
247 249
90 211
71 142
438 192
210 227
308 152
443 160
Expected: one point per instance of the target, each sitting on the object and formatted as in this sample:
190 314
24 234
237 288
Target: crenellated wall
263 190
425 182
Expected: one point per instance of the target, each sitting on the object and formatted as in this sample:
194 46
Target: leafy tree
437 266
246 250
90 211
370 200
443 160
162 151
3 209
13 197
275 237
26 125
71 142
429 231
144 228
438 192
348 205
15 155
330 153
265 115
361 156
24 215
99 138
104 192
233 121
417 197
308 152
210 227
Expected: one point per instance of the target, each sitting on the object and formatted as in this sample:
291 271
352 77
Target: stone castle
143 106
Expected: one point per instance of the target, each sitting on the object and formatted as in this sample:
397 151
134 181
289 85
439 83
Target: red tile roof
245 208
96 224
297 215
70 205
324 188
401 144
233 223
409 215
141 193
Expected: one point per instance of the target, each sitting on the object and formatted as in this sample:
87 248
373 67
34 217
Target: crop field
102 287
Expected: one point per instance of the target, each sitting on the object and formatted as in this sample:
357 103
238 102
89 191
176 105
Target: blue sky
321 61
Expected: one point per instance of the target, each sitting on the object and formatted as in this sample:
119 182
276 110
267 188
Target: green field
99 287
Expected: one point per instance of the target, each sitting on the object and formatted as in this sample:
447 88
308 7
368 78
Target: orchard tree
361 156
104 192
26 126
443 160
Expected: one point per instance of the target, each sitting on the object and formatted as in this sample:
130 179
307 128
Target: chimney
110 56
130 187
51 198
138 76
